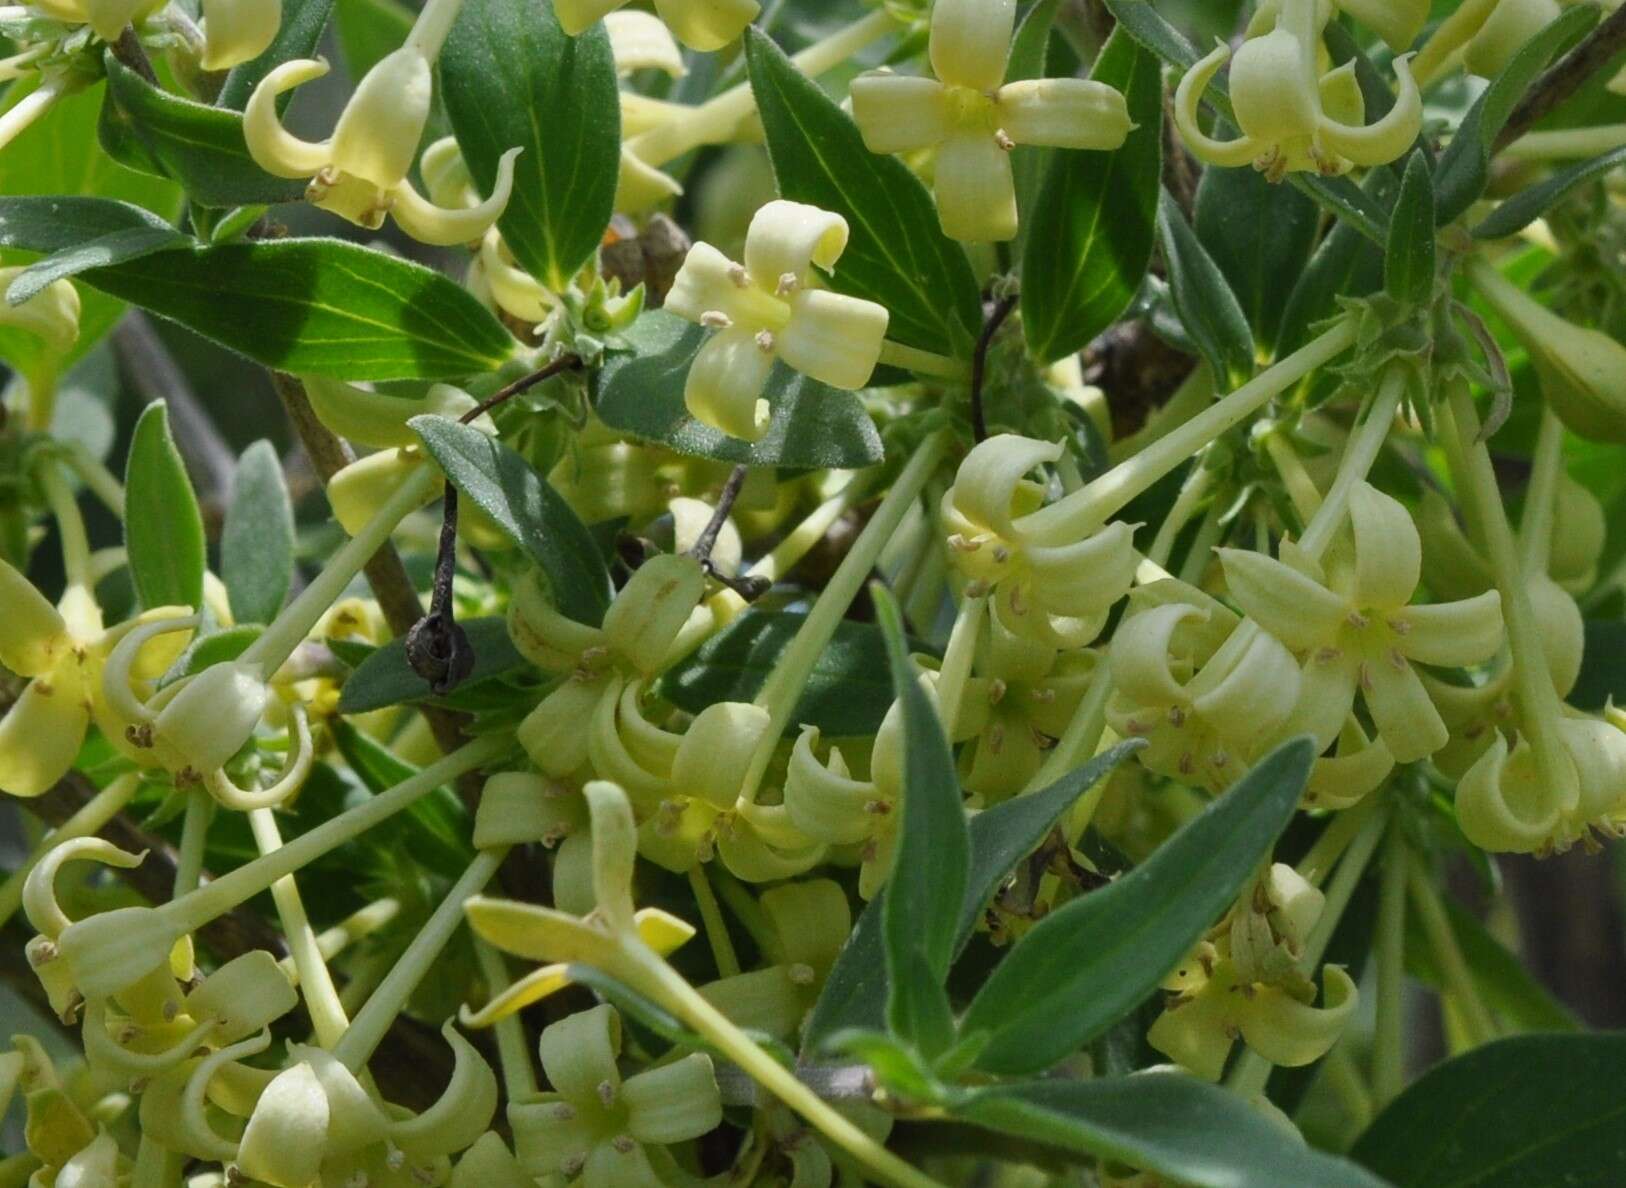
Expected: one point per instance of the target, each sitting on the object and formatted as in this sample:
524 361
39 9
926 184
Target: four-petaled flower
1352 622
973 118
1293 117
769 308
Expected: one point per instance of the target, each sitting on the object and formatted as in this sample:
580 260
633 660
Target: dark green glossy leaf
368 30
163 529
201 147
1090 234
639 391
1164 1122
1088 963
257 539
1207 307
846 694
512 79
855 994
1603 672
385 678
56 223
1409 258
309 306
1537 1111
1528 205
116 247
1464 169
506 488
1258 234
303 23
932 857
898 255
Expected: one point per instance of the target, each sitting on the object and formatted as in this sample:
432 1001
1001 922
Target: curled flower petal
555 733
39 889
1188 97
460 1115
441 226
642 41
296 770
822 799
1250 686
717 750
725 385
1387 139
107 1054
787 239
579 1052
1388 551
985 490
1303 614
1453 634
243 996
272 146
615 852
1503 804
200 1138
1290 1034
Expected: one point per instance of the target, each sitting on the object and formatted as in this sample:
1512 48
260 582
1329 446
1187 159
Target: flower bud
115 949
1579 533
213 716
51 315
1508 29
378 420
360 490
237 31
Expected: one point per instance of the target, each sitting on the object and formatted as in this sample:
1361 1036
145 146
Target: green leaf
1501 977
61 223
1088 963
1409 258
116 247
309 306
436 828
1164 1122
932 857
1346 264
1205 303
257 538
510 78
639 391
898 255
369 30
163 529
58 155
201 147
1603 676
1537 1111
1464 167
1528 205
855 994
1258 234
1090 234
846 695
303 24
385 678
219 647
508 490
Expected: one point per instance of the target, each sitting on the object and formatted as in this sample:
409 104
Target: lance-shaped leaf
1207 307
163 529
257 539
1409 260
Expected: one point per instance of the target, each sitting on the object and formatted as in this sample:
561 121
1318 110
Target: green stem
1541 497
70 524
1568 144
722 945
1452 34
654 977
1103 498
1388 1034
291 627
1360 454
200 811
513 1049
356 1046
1192 492
717 120
784 685
197 908
1538 701
958 658
316 987
96 477
1459 981
1301 488
1208 535
1335 839
896 354
96 812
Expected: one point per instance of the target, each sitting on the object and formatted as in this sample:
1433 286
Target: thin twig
979 364
748 588
1563 80
437 647
525 384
